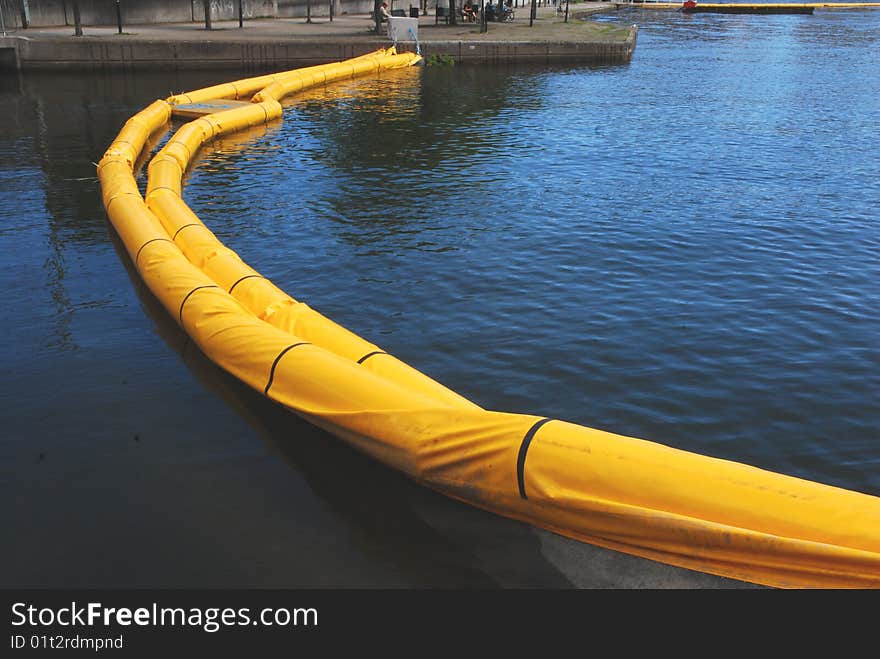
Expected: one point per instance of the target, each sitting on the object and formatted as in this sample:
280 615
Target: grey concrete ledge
86 54
542 52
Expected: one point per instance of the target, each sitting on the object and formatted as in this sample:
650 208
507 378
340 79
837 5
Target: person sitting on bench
383 13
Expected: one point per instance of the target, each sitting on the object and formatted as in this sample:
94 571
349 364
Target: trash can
403 28
413 12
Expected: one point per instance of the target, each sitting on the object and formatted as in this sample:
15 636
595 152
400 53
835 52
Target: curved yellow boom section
618 492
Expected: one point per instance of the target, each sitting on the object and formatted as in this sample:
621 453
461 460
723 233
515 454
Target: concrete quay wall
81 54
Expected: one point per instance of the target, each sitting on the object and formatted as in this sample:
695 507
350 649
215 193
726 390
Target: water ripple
683 249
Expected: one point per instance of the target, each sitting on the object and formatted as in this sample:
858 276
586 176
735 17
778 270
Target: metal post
240 14
308 11
25 14
376 4
207 5
566 11
533 13
118 16
77 22
331 11
2 21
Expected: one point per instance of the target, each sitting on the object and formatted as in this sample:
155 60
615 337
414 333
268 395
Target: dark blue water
684 249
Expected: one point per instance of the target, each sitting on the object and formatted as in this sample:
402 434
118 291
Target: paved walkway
281 43
350 27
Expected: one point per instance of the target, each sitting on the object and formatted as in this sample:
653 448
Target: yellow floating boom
618 492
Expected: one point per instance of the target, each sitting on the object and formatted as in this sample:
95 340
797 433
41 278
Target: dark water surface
683 249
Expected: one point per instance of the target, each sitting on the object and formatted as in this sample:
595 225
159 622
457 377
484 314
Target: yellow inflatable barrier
618 492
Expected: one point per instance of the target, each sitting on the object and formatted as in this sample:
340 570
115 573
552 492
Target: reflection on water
388 517
682 249
679 251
